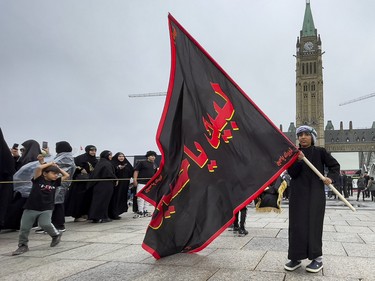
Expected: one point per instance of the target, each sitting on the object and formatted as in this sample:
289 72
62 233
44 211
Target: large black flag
219 152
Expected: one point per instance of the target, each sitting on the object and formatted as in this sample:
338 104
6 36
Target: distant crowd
40 189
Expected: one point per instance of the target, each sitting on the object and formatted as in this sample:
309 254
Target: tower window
312 87
303 69
314 67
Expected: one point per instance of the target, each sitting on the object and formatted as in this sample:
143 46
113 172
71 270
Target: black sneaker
292 265
21 249
243 232
56 239
314 266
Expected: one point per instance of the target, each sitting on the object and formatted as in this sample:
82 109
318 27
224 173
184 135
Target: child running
40 204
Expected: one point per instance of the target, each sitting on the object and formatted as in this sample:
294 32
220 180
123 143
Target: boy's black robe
307 203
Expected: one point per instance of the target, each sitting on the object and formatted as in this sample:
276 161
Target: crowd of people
37 187
40 190
365 185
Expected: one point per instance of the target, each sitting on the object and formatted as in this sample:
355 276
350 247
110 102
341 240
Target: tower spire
308 28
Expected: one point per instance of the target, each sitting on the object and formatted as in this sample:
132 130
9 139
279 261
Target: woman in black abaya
30 152
7 171
102 190
119 201
78 197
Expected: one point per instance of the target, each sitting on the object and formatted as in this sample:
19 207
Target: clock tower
309 77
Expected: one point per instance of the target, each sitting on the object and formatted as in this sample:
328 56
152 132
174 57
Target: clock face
308 46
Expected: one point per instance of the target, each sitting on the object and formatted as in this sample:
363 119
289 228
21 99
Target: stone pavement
112 251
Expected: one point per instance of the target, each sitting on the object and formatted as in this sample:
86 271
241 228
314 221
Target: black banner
219 151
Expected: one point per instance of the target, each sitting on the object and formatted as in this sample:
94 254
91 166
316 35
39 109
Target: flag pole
312 167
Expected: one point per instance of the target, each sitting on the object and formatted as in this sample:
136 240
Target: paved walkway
112 251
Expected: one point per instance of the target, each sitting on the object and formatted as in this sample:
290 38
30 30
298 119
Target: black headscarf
85 160
32 150
104 169
117 162
125 172
105 154
63 146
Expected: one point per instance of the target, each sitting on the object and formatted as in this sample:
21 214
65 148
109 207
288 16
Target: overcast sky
67 67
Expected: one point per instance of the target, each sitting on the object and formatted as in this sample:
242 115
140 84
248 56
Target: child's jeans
27 222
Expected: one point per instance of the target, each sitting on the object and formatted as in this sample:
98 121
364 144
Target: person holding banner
307 201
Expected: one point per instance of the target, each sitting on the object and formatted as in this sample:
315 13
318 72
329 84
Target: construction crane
147 95
358 99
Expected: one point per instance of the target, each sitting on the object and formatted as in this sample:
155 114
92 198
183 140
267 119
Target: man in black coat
307 201
344 184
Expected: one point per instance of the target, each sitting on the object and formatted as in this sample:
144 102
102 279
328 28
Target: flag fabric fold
219 152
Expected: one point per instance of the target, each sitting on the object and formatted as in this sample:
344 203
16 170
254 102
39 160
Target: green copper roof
308 28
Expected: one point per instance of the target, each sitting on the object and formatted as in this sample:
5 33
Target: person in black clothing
65 160
40 204
30 150
7 170
78 197
119 200
143 172
240 225
366 191
307 201
344 184
15 153
361 186
102 189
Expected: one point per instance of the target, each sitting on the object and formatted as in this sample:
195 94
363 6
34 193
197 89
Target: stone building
310 101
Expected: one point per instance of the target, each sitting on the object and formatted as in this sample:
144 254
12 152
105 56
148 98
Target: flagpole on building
312 167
